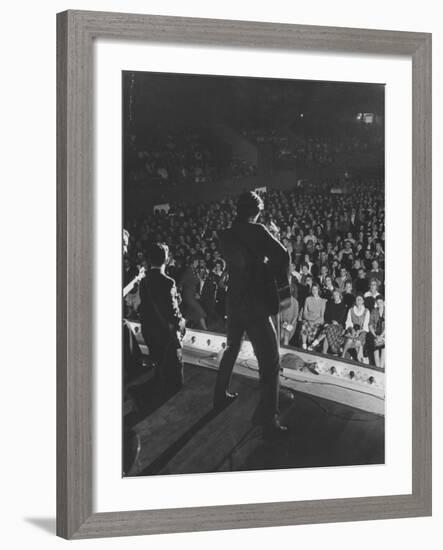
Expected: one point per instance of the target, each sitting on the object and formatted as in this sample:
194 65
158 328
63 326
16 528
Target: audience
336 243
176 159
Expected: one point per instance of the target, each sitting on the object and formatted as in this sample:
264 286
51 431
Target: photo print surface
253 275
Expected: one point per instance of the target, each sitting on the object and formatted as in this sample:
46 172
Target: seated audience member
367 258
371 295
379 253
328 288
304 290
322 275
356 265
302 274
341 280
361 282
348 295
297 250
345 255
305 271
357 326
376 335
335 317
310 237
377 273
335 269
312 316
288 319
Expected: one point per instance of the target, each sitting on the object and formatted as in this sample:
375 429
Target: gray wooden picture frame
76 32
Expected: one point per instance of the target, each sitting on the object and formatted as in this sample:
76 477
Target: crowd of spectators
274 141
336 246
175 159
194 157
297 150
239 167
324 151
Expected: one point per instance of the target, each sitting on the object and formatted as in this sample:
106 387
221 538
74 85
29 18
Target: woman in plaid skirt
312 316
335 317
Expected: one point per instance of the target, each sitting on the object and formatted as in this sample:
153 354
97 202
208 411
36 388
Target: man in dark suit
247 245
161 320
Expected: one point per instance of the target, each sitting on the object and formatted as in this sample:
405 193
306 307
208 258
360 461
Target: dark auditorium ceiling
164 100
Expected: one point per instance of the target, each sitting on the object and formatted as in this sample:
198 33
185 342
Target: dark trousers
132 356
167 358
261 332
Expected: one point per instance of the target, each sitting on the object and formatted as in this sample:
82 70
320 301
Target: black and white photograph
208 207
253 274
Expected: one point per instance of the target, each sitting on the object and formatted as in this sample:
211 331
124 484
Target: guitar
141 275
277 290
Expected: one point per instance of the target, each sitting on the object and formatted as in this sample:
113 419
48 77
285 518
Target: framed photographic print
238 205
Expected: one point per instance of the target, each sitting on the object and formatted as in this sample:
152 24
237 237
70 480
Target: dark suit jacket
159 305
245 246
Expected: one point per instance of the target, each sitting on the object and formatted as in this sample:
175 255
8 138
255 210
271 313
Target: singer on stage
256 262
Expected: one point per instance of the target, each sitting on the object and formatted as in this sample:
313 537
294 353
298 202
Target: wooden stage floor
184 435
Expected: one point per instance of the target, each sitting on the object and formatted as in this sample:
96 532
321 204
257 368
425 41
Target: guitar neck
127 289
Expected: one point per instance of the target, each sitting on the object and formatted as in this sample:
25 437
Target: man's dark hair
157 254
249 205
221 263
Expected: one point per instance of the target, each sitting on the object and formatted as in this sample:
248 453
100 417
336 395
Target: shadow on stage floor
184 434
